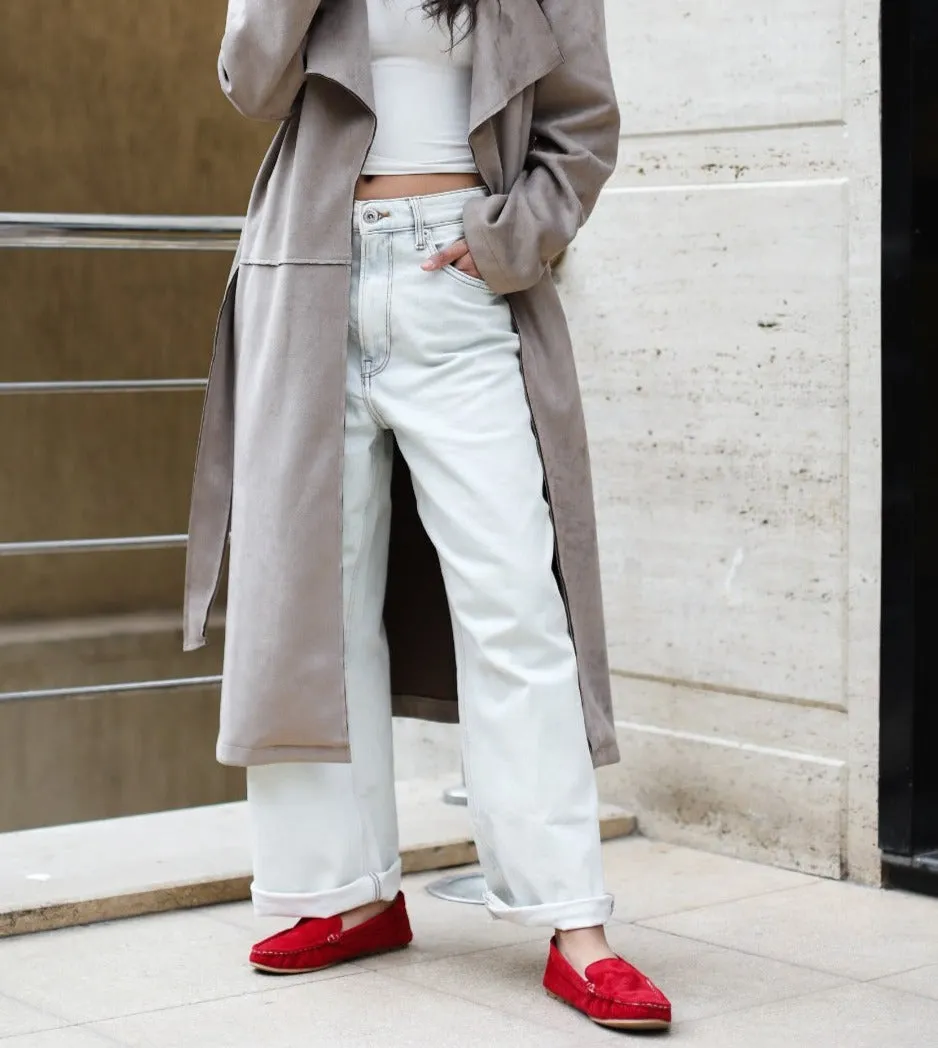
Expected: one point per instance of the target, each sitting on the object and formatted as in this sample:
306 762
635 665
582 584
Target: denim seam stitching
386 358
366 373
451 271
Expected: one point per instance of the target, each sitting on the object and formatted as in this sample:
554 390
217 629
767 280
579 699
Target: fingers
457 255
447 257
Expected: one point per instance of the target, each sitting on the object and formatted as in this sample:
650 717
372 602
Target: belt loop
420 241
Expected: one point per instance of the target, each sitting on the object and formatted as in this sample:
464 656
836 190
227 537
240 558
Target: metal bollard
460 887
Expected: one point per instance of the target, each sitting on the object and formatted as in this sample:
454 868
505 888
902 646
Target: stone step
62 876
66 760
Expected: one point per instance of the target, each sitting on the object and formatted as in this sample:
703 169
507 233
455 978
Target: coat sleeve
261 65
514 236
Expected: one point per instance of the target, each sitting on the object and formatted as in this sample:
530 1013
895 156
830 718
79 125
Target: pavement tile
363 1011
651 879
86 974
860 933
923 981
701 980
18 1018
751 956
66 1037
850 1016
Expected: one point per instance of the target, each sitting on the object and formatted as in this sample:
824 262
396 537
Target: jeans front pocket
440 237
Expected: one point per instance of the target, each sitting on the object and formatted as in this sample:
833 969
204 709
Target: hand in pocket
456 255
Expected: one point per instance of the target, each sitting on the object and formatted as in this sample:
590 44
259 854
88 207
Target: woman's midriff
393 187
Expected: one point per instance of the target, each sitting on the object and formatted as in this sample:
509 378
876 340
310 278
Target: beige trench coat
544 132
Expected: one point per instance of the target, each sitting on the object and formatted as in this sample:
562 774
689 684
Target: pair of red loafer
613 993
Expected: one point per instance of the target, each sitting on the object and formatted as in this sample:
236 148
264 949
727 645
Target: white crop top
422 88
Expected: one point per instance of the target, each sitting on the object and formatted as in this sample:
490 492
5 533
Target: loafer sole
632 1024
617 1024
269 970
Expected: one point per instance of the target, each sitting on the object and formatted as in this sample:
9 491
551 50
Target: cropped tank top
421 87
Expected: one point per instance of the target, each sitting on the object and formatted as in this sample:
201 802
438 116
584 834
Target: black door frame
909 684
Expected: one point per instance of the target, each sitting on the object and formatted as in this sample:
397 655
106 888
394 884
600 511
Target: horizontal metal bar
35 549
158 385
123 223
126 232
109 689
76 242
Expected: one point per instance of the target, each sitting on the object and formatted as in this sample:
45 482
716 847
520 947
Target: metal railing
123 233
109 689
145 385
134 542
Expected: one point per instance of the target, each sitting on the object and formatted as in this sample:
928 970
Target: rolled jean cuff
371 887
564 916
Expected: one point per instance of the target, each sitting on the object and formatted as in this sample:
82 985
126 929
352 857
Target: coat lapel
339 48
514 47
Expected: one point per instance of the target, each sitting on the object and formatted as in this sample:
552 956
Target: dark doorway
909 682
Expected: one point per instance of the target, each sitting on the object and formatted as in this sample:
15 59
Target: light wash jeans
433 359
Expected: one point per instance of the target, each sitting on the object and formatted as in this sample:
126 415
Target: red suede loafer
315 942
612 994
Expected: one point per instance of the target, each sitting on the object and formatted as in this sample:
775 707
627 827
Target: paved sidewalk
751 956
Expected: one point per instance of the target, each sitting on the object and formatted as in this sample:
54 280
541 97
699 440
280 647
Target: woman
392 305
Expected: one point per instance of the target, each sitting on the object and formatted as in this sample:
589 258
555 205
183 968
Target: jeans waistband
412 213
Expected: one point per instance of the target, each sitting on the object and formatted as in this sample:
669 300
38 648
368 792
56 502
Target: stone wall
726 305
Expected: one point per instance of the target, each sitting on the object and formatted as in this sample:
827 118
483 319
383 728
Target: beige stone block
741 799
817 730
712 355
700 66
862 82
90 872
721 157
95 871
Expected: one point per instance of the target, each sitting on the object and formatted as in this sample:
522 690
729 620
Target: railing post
459 887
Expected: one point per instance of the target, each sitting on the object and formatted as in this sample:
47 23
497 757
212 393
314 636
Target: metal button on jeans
370 215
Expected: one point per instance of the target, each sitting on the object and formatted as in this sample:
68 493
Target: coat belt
210 513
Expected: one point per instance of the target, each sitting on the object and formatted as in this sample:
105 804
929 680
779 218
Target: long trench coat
544 133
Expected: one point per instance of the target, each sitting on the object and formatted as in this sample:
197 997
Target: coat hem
606 755
252 756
